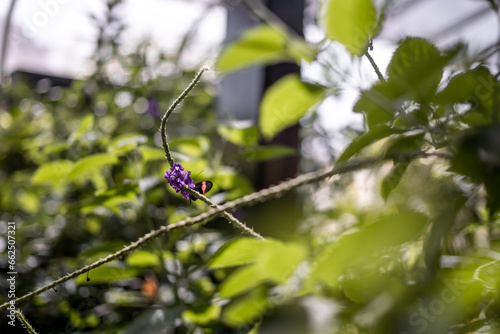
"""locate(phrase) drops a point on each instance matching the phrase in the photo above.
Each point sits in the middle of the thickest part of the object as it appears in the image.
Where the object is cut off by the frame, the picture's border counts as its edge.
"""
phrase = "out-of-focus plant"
(82, 175)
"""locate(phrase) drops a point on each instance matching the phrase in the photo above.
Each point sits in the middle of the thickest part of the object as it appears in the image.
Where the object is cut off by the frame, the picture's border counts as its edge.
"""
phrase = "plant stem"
(375, 67)
(233, 220)
(163, 127)
(24, 322)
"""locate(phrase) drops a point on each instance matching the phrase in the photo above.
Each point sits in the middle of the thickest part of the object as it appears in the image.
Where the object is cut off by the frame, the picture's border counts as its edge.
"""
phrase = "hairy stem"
(233, 220)
(25, 322)
(163, 127)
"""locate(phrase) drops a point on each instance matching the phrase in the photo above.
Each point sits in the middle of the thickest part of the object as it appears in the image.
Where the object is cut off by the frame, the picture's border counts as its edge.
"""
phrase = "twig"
(25, 322)
(375, 67)
(174, 104)
(260, 196)
(238, 224)
(170, 158)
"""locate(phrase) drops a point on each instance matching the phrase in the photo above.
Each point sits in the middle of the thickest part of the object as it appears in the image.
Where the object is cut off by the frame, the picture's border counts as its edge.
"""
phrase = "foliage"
(82, 174)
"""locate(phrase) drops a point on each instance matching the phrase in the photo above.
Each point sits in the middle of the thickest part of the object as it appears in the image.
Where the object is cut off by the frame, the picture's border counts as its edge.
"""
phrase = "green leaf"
(193, 147)
(243, 279)
(285, 102)
(239, 252)
(151, 153)
(248, 136)
(86, 124)
(280, 261)
(352, 23)
(247, 308)
(274, 263)
(112, 198)
(144, 258)
(237, 184)
(85, 166)
(259, 45)
(365, 285)
(202, 317)
(474, 86)
(405, 144)
(126, 143)
(108, 274)
(392, 179)
(266, 153)
(417, 67)
(53, 173)
(358, 248)
(375, 133)
(380, 103)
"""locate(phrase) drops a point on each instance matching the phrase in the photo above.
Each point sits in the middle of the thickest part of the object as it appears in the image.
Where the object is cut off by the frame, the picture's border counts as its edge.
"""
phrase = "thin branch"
(25, 322)
(260, 196)
(163, 127)
(170, 158)
(238, 224)
(375, 67)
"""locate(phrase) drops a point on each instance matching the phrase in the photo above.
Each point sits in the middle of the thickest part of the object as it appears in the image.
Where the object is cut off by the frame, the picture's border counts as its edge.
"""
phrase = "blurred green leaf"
(380, 104)
(203, 317)
(239, 252)
(30, 202)
(191, 147)
(275, 263)
(474, 86)
(247, 308)
(151, 153)
(352, 23)
(85, 166)
(236, 184)
(405, 144)
(356, 248)
(86, 124)
(145, 258)
(373, 134)
(266, 153)
(285, 102)
(260, 45)
(366, 285)
(54, 173)
(112, 198)
(126, 143)
(243, 279)
(280, 261)
(108, 274)
(248, 136)
(392, 179)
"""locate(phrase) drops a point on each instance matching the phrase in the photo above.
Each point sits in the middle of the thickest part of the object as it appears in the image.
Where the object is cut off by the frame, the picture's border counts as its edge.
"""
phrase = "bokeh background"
(84, 84)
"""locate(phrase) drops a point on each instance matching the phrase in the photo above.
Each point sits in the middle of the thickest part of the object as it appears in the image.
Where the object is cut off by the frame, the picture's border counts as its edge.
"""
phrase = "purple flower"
(153, 108)
(178, 178)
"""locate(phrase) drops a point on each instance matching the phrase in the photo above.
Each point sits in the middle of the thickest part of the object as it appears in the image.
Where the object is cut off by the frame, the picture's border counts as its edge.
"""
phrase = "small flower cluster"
(177, 178)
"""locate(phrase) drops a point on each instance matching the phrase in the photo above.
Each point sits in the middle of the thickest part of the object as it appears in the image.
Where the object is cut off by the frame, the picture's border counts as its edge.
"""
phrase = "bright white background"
(57, 37)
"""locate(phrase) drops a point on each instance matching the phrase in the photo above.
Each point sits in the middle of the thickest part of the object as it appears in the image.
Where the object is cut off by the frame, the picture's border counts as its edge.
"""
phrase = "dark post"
(241, 92)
